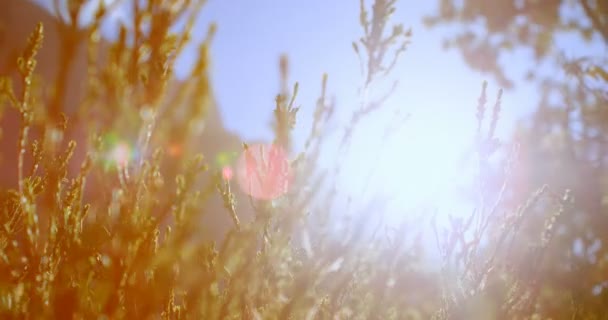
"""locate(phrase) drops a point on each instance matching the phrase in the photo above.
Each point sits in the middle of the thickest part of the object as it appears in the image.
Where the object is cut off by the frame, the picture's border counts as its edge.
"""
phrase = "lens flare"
(225, 158)
(175, 150)
(263, 171)
(118, 152)
(227, 173)
(121, 154)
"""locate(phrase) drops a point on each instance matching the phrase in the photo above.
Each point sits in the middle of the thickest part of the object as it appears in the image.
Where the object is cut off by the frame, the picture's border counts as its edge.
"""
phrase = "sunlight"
(419, 167)
(121, 154)
(263, 171)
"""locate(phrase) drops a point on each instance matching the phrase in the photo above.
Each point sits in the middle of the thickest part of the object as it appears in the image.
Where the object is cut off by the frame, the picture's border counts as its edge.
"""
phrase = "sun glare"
(121, 154)
(420, 166)
(263, 171)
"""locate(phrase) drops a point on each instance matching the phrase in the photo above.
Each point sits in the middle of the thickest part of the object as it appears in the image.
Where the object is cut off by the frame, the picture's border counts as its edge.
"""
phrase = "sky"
(439, 91)
(317, 35)
(419, 164)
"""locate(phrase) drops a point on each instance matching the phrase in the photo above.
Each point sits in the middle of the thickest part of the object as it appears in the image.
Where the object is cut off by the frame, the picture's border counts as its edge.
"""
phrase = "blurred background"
(548, 57)
(484, 147)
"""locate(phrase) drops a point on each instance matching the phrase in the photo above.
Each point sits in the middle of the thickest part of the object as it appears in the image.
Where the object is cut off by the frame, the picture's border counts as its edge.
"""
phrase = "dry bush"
(87, 237)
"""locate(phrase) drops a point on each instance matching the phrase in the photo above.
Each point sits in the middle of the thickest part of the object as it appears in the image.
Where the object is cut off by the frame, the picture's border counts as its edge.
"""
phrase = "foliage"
(117, 234)
(563, 144)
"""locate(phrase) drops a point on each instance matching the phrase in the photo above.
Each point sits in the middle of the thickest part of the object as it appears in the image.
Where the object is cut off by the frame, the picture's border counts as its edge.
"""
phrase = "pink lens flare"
(227, 173)
(263, 171)
(175, 150)
(121, 154)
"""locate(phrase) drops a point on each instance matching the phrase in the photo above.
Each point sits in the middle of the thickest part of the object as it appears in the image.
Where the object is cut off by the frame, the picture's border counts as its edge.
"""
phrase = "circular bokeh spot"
(227, 173)
(175, 150)
(121, 154)
(263, 171)
(118, 153)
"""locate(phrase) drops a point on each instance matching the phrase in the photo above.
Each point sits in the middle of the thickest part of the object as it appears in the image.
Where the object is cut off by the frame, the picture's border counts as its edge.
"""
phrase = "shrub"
(114, 234)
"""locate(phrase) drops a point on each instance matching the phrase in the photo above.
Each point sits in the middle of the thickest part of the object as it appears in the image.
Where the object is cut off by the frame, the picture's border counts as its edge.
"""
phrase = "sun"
(421, 165)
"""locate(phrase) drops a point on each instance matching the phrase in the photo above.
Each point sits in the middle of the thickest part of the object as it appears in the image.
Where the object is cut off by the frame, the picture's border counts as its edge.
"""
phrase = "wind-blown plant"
(129, 244)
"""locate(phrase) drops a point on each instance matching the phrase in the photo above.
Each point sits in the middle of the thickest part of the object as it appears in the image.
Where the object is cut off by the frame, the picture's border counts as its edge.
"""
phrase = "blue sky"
(436, 87)
(419, 165)
(317, 37)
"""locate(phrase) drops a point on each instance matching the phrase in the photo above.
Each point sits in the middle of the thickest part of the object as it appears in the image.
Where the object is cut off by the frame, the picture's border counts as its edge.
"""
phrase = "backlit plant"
(105, 218)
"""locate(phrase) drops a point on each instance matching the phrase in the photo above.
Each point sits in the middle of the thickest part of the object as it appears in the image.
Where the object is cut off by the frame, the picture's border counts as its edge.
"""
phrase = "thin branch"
(595, 20)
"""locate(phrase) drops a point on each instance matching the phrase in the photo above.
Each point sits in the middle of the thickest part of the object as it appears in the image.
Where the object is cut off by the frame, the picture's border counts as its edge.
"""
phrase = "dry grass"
(122, 240)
